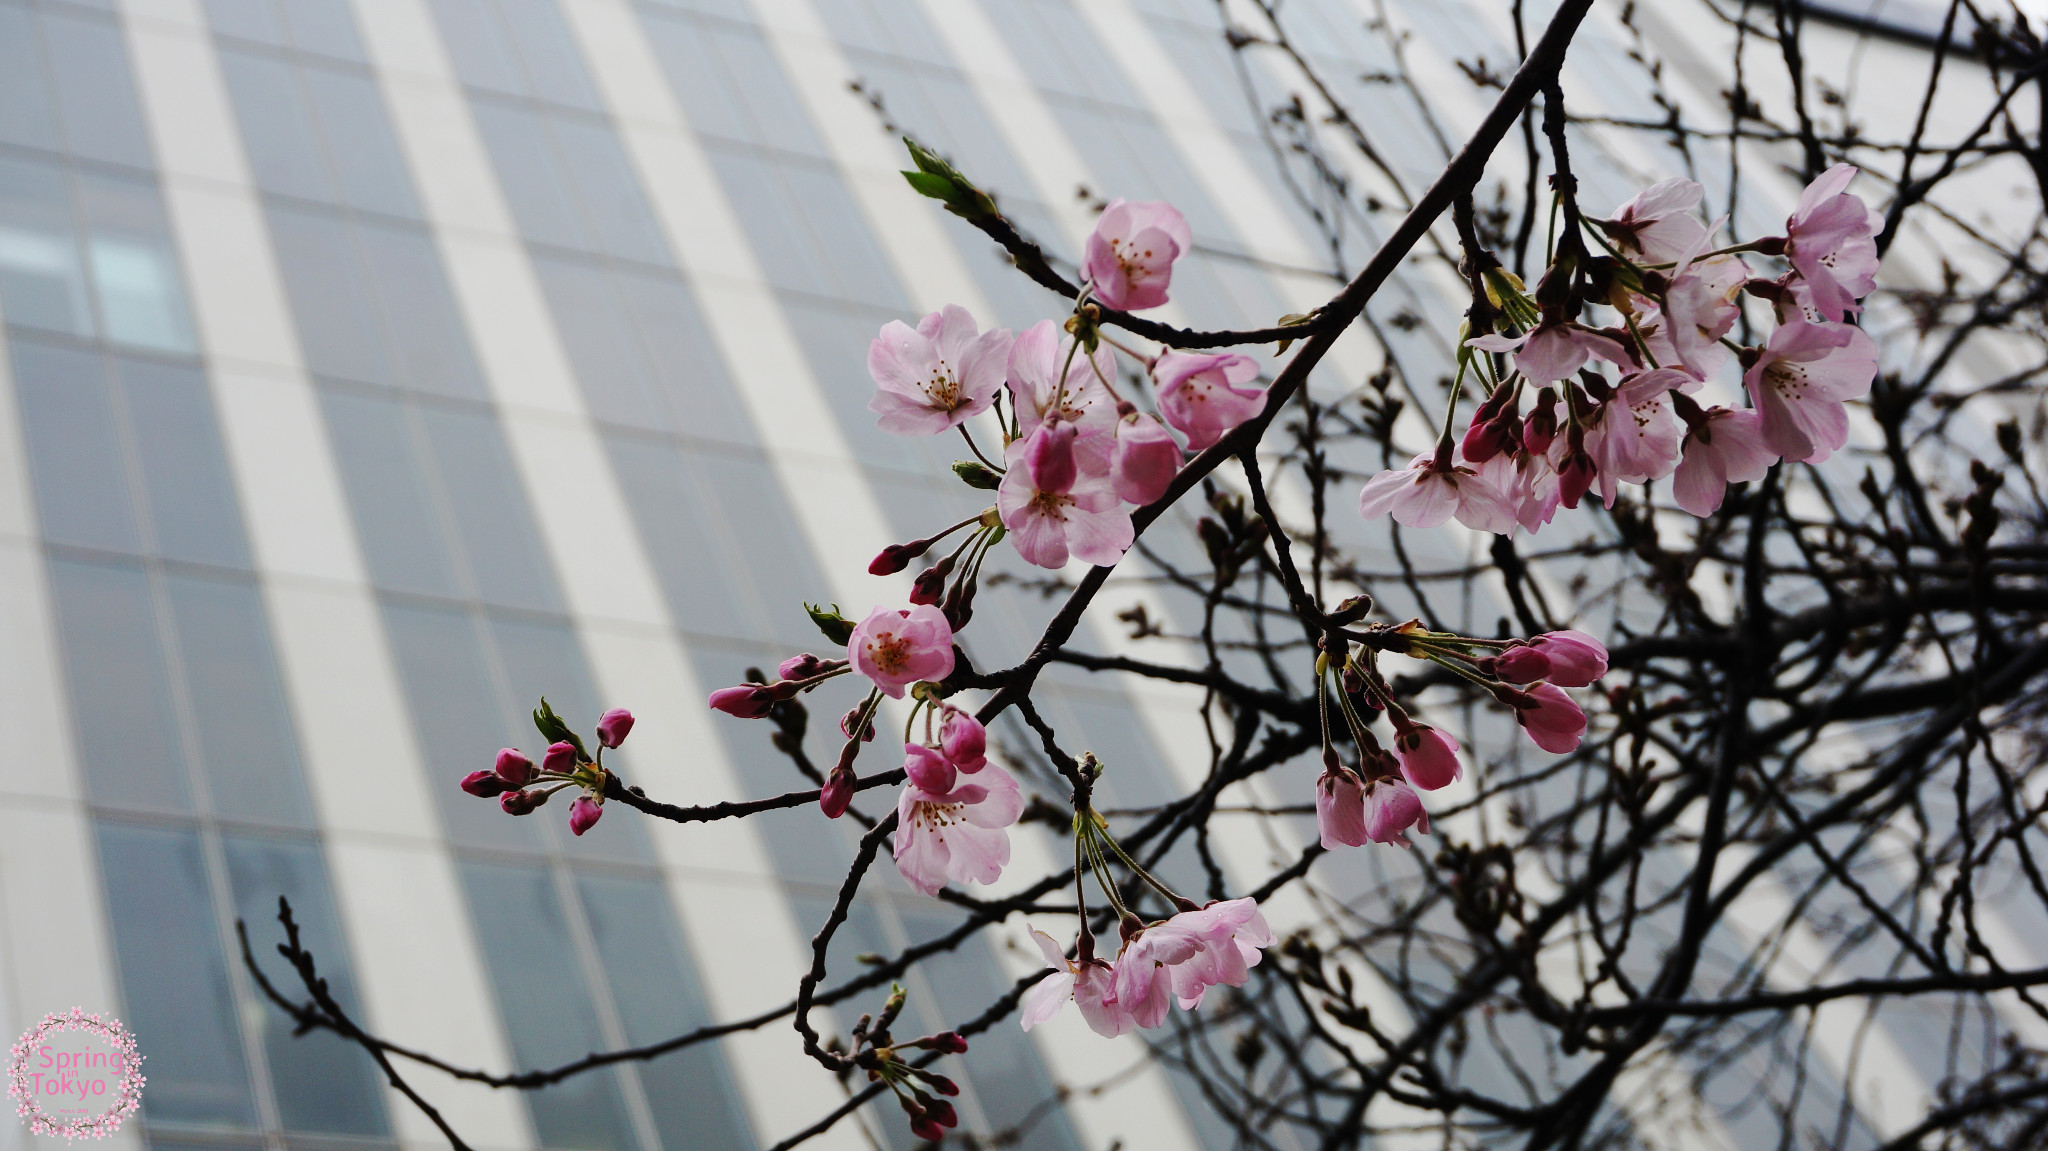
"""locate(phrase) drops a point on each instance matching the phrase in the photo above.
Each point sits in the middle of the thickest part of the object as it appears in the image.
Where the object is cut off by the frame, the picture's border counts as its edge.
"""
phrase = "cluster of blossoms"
(1076, 449)
(1377, 800)
(1676, 303)
(520, 787)
(917, 1090)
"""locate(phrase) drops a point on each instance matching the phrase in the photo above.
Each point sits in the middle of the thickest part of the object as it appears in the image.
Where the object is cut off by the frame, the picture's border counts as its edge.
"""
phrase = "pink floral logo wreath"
(79, 1095)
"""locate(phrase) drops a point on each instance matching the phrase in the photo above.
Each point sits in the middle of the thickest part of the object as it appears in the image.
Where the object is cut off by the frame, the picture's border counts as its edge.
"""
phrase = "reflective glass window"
(73, 436)
(185, 481)
(395, 510)
(337, 324)
(27, 115)
(487, 504)
(121, 704)
(428, 348)
(95, 90)
(243, 727)
(134, 269)
(42, 278)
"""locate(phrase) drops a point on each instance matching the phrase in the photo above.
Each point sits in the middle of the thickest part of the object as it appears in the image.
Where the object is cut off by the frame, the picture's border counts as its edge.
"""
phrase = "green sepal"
(977, 475)
(836, 627)
(553, 730)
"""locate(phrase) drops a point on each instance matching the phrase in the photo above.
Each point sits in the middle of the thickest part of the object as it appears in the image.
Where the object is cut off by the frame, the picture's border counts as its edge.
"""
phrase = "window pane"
(610, 192)
(142, 301)
(26, 116)
(41, 281)
(523, 930)
(245, 734)
(174, 976)
(337, 326)
(74, 448)
(323, 1082)
(394, 505)
(283, 148)
(461, 722)
(191, 496)
(609, 361)
(701, 576)
(429, 348)
(120, 693)
(489, 509)
(477, 45)
(323, 26)
(527, 171)
(686, 362)
(369, 171)
(691, 1091)
(95, 94)
(248, 19)
(547, 51)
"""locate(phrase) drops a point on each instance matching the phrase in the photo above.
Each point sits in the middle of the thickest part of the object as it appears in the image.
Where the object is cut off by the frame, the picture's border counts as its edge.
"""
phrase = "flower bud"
(949, 1042)
(852, 716)
(896, 557)
(925, 1127)
(930, 585)
(747, 701)
(513, 767)
(1541, 427)
(561, 758)
(836, 794)
(1049, 457)
(976, 475)
(1144, 460)
(928, 770)
(584, 814)
(484, 784)
(614, 726)
(520, 802)
(1519, 665)
(943, 1111)
(964, 739)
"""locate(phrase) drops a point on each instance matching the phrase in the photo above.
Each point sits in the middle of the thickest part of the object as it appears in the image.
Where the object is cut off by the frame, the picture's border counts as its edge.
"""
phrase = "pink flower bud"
(584, 814)
(1576, 659)
(852, 716)
(1521, 665)
(747, 701)
(483, 784)
(1145, 459)
(1541, 427)
(800, 666)
(925, 1127)
(1575, 477)
(964, 739)
(949, 1042)
(943, 1111)
(561, 757)
(1391, 808)
(929, 586)
(513, 767)
(896, 557)
(520, 802)
(1429, 758)
(1049, 457)
(928, 770)
(1554, 723)
(836, 794)
(614, 726)
(1340, 807)
(1488, 432)
(940, 1083)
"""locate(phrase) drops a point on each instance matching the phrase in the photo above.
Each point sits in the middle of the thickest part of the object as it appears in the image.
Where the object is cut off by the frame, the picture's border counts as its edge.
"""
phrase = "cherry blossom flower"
(1229, 938)
(1726, 447)
(560, 758)
(747, 700)
(1520, 665)
(1145, 459)
(1532, 488)
(584, 814)
(1636, 438)
(1391, 808)
(1831, 241)
(1129, 257)
(1552, 351)
(937, 375)
(1576, 659)
(1089, 984)
(513, 767)
(1698, 309)
(1144, 981)
(1424, 495)
(1429, 758)
(1553, 721)
(1199, 394)
(484, 784)
(928, 769)
(1340, 809)
(1657, 226)
(896, 648)
(964, 740)
(1799, 384)
(614, 726)
(959, 834)
(1035, 382)
(1050, 525)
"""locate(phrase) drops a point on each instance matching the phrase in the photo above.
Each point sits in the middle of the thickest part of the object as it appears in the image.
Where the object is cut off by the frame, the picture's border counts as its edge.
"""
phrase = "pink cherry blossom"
(964, 740)
(1035, 384)
(1698, 309)
(1657, 226)
(513, 767)
(928, 769)
(1831, 241)
(1391, 808)
(1199, 394)
(1429, 758)
(1340, 809)
(1049, 456)
(1090, 985)
(1130, 255)
(1636, 438)
(1521, 665)
(1144, 979)
(1049, 526)
(936, 375)
(614, 726)
(1725, 448)
(1423, 495)
(1576, 659)
(584, 814)
(747, 701)
(561, 758)
(956, 835)
(1229, 938)
(1532, 488)
(1553, 351)
(484, 784)
(1145, 459)
(1552, 720)
(1800, 382)
(897, 648)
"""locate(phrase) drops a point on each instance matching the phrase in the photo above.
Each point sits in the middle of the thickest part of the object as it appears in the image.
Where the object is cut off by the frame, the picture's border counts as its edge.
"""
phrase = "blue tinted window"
(428, 348)
(121, 701)
(27, 115)
(174, 976)
(395, 508)
(95, 92)
(524, 929)
(337, 322)
(369, 170)
(323, 1083)
(542, 203)
(42, 278)
(243, 729)
(185, 478)
(283, 143)
(506, 560)
(73, 437)
(142, 301)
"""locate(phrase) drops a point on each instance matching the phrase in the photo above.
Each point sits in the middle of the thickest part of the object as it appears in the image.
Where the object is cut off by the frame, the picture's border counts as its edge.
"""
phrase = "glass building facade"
(373, 367)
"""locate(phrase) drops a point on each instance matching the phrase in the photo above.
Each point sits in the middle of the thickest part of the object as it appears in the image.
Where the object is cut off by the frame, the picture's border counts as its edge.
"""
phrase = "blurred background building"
(372, 368)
